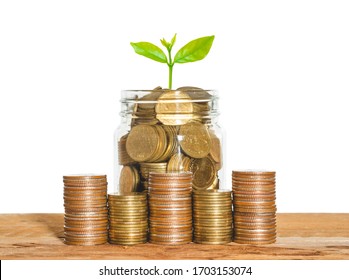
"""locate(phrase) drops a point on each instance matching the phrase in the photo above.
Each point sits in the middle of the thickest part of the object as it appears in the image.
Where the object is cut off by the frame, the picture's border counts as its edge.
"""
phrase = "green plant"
(193, 51)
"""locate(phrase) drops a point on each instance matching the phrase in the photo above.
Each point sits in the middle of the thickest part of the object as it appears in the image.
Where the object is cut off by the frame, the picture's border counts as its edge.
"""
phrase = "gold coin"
(148, 101)
(253, 174)
(170, 225)
(127, 242)
(171, 236)
(204, 173)
(170, 198)
(212, 193)
(87, 176)
(196, 93)
(171, 175)
(256, 179)
(174, 108)
(215, 151)
(255, 242)
(179, 163)
(124, 158)
(170, 140)
(212, 242)
(127, 207)
(247, 197)
(198, 205)
(85, 242)
(128, 202)
(211, 199)
(146, 167)
(129, 179)
(132, 235)
(195, 139)
(171, 242)
(142, 142)
(127, 196)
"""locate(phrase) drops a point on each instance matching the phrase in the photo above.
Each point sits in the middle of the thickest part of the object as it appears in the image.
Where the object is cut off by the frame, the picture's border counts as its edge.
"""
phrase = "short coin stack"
(254, 207)
(128, 218)
(212, 216)
(170, 208)
(86, 213)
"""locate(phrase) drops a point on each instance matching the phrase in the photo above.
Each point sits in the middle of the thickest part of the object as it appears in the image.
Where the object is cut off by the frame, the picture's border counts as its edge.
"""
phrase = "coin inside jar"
(174, 108)
(142, 142)
(195, 139)
(204, 173)
(129, 179)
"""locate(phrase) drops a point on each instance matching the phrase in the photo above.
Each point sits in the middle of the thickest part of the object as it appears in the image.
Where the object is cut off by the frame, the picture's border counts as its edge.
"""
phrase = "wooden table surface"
(300, 236)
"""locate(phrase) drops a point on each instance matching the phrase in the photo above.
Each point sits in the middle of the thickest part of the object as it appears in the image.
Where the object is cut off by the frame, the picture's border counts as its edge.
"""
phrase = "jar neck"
(169, 107)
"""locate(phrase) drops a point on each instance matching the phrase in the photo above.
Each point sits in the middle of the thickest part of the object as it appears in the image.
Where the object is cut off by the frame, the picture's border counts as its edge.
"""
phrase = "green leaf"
(165, 43)
(149, 50)
(168, 45)
(195, 50)
(173, 41)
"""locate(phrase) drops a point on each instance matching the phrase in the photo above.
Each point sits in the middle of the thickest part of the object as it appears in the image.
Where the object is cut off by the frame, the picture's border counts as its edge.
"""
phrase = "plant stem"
(170, 68)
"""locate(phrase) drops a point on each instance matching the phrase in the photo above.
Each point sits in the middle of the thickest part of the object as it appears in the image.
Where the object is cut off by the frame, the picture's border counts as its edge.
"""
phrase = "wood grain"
(300, 236)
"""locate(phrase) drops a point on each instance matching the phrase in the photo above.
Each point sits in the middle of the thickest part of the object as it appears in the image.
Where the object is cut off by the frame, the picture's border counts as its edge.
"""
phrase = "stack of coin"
(170, 208)
(128, 218)
(151, 143)
(212, 216)
(254, 207)
(86, 213)
(147, 167)
(179, 163)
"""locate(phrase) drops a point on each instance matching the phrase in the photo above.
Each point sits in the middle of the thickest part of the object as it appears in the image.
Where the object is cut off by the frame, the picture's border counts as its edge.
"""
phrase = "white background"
(90, 269)
(281, 68)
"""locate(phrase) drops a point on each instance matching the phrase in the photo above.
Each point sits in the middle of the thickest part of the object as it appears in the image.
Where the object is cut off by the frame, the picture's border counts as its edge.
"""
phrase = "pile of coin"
(147, 167)
(170, 208)
(171, 130)
(128, 218)
(254, 207)
(86, 213)
(212, 211)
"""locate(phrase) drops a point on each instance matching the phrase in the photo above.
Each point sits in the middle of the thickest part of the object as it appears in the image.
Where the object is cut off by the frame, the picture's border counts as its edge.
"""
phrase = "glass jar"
(165, 130)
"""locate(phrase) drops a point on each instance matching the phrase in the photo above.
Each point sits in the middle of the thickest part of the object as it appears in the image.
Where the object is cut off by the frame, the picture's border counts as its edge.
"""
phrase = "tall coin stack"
(128, 218)
(170, 208)
(254, 207)
(212, 216)
(86, 213)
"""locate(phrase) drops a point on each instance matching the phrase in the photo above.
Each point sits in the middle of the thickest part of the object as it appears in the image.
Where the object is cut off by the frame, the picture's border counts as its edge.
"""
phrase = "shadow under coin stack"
(86, 213)
(170, 208)
(254, 207)
(128, 218)
(212, 216)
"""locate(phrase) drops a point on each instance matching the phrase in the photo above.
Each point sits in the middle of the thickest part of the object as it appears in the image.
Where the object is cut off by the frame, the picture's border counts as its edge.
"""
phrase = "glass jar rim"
(137, 95)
